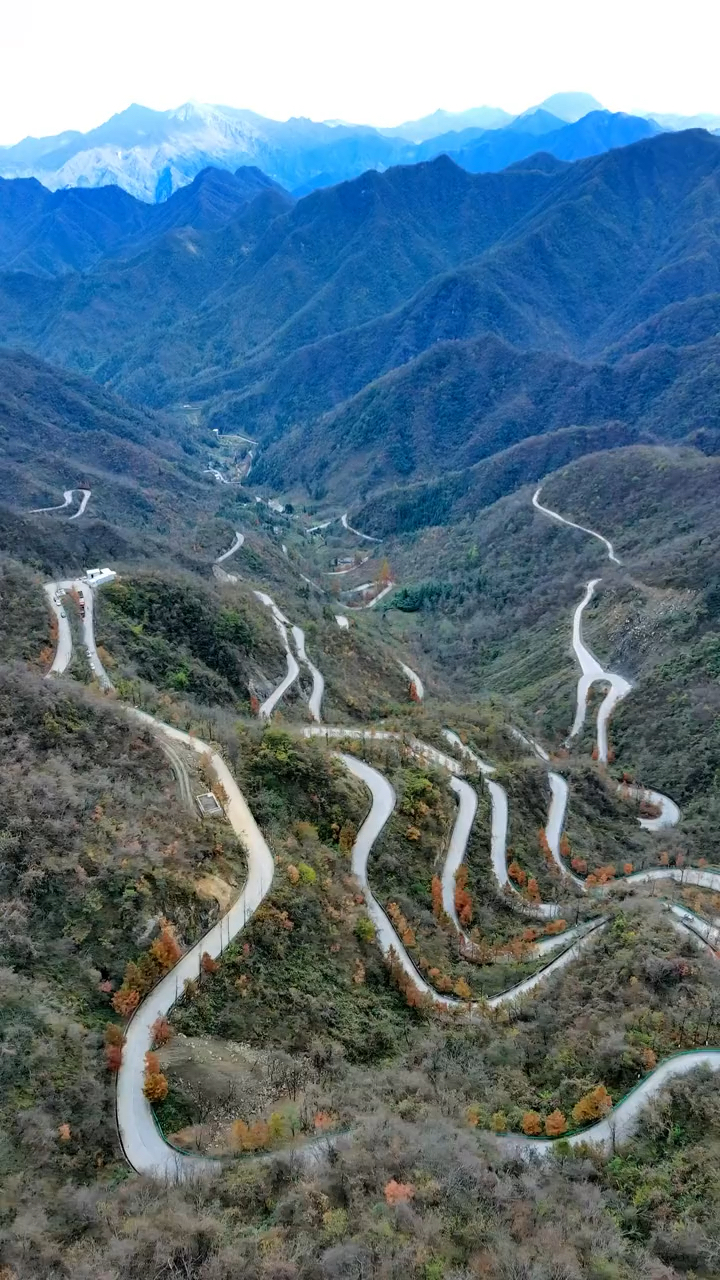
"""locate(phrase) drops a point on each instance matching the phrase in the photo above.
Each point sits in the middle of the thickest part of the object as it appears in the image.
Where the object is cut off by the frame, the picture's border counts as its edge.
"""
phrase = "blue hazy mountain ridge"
(360, 329)
(151, 153)
(51, 232)
(594, 134)
(536, 122)
(285, 311)
(492, 150)
(570, 106)
(441, 122)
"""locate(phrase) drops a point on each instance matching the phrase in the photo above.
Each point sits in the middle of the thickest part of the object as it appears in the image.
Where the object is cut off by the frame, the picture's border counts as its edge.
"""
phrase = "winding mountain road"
(236, 545)
(318, 687)
(67, 499)
(293, 670)
(63, 648)
(669, 814)
(467, 808)
(555, 515)
(592, 673)
(358, 534)
(144, 1145)
(86, 493)
(414, 679)
(621, 1122)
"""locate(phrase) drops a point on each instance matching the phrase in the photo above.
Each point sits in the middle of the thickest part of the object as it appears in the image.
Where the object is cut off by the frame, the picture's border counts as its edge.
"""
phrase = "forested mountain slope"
(462, 402)
(420, 316)
(339, 258)
(52, 232)
(61, 432)
(492, 600)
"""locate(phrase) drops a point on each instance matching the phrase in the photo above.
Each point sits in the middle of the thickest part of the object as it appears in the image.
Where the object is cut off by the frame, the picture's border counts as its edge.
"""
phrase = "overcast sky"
(72, 63)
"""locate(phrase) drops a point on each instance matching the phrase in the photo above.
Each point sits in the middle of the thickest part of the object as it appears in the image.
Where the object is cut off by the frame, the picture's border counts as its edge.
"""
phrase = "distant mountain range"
(151, 154)
(397, 326)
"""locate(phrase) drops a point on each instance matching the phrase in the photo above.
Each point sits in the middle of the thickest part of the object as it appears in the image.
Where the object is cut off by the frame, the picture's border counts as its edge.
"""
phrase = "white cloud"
(72, 63)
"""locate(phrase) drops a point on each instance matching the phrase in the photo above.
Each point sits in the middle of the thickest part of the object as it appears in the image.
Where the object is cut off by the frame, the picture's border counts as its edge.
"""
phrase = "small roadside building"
(97, 577)
(209, 805)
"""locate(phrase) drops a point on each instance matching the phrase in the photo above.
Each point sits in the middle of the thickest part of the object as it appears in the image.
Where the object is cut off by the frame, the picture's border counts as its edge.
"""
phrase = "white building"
(96, 577)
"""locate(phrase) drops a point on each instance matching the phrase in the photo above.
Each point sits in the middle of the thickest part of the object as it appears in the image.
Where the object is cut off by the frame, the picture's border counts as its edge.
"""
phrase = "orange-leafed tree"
(593, 1106)
(462, 990)
(348, 834)
(155, 1087)
(627, 868)
(463, 899)
(533, 889)
(323, 1121)
(207, 964)
(113, 1057)
(166, 949)
(556, 926)
(605, 873)
(259, 1136)
(398, 1192)
(437, 896)
(239, 1133)
(555, 1124)
(413, 692)
(161, 1031)
(384, 573)
(565, 846)
(517, 874)
(125, 1001)
(579, 865)
(531, 1123)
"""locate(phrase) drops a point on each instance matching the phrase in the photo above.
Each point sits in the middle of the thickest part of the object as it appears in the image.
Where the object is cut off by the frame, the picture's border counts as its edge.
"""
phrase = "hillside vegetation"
(409, 354)
(494, 602)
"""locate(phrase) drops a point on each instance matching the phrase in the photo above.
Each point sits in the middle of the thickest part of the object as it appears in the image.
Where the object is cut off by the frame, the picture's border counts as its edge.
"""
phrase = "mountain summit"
(150, 154)
(570, 106)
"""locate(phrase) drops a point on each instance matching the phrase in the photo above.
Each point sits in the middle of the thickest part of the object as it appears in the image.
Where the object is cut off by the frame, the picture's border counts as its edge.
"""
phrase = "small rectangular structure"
(96, 577)
(209, 805)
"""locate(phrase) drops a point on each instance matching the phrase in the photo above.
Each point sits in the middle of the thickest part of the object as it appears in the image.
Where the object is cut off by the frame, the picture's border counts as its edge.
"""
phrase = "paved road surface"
(555, 515)
(592, 672)
(293, 670)
(358, 534)
(67, 499)
(63, 651)
(237, 543)
(621, 1122)
(144, 1146)
(83, 503)
(414, 678)
(316, 697)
